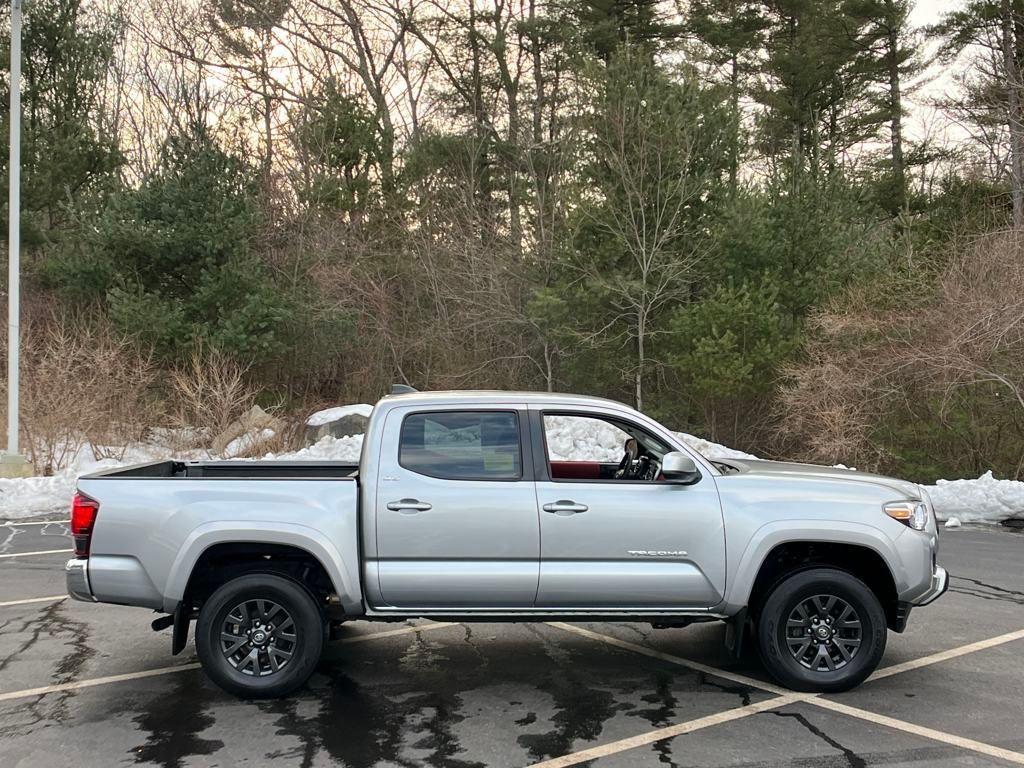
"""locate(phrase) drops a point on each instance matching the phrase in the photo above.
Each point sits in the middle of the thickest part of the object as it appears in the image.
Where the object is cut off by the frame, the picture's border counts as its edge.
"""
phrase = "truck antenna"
(402, 389)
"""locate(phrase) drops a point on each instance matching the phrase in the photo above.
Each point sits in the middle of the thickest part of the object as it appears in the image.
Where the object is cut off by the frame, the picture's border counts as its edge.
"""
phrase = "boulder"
(342, 421)
(256, 422)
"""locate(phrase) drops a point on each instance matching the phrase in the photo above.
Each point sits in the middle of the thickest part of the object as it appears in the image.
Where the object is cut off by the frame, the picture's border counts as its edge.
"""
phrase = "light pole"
(12, 464)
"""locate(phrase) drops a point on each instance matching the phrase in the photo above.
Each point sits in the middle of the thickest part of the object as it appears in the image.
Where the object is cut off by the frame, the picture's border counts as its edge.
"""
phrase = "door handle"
(565, 507)
(408, 506)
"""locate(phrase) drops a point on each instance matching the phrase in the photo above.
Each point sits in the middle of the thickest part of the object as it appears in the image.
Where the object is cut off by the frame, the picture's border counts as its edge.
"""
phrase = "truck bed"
(235, 470)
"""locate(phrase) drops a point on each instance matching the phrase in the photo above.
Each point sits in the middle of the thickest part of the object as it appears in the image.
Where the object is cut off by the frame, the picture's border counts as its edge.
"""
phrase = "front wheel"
(821, 630)
(259, 636)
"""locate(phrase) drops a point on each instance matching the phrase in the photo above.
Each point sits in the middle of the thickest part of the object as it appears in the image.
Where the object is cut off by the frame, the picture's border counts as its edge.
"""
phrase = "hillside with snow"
(981, 500)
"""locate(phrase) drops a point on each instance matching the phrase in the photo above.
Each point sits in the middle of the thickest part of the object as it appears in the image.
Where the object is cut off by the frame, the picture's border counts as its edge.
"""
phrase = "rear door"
(456, 512)
(618, 543)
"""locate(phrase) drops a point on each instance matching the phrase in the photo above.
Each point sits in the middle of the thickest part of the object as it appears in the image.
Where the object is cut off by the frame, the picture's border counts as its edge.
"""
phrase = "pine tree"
(889, 54)
(733, 31)
(998, 26)
(605, 25)
(816, 85)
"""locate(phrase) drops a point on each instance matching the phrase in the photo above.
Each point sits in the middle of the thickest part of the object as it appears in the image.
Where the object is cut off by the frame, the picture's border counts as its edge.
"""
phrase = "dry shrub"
(209, 391)
(921, 357)
(81, 383)
(285, 440)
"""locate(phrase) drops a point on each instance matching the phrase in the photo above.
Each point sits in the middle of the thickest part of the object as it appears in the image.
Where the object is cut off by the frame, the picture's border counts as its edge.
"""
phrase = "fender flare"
(295, 535)
(771, 535)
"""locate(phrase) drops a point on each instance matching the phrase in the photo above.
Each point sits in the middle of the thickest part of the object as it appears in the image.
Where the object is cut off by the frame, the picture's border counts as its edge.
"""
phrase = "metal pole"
(14, 234)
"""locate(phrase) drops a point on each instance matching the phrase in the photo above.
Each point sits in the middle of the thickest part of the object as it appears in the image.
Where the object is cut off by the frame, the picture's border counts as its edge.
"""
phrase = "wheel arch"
(244, 549)
(780, 549)
(792, 557)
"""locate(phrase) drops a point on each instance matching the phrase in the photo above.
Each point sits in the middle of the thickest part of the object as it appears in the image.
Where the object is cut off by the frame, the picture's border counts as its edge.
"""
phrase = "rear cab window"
(462, 445)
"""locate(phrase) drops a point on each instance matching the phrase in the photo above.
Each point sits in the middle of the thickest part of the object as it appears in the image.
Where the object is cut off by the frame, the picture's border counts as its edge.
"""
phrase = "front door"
(614, 534)
(457, 521)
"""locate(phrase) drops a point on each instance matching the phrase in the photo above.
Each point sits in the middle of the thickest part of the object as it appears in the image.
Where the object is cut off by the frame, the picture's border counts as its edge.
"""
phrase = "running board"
(664, 618)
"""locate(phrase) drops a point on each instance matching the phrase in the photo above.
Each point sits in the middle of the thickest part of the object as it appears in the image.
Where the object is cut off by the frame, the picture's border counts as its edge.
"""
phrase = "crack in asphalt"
(853, 759)
(996, 592)
(51, 622)
(740, 690)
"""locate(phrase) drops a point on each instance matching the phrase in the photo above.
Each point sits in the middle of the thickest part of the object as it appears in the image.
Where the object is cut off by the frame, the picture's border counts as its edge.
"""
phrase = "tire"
(845, 630)
(242, 649)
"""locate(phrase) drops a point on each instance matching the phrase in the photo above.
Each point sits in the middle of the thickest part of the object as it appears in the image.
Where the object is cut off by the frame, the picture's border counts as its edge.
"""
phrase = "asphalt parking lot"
(93, 685)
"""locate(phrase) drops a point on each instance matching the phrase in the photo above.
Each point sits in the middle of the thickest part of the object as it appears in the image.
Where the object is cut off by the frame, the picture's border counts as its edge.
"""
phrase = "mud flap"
(182, 618)
(735, 629)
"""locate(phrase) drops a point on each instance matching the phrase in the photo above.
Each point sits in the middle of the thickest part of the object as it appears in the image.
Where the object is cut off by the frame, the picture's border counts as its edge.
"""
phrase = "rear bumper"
(76, 574)
(940, 583)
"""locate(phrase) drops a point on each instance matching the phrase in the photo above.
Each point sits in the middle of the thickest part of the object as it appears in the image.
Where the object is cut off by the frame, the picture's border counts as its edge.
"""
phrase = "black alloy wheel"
(821, 630)
(260, 635)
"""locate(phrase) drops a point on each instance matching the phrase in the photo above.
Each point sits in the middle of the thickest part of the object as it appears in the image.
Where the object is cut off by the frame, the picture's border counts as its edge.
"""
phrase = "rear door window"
(462, 445)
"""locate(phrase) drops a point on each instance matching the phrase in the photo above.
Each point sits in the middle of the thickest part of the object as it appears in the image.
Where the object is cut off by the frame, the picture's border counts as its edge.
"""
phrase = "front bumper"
(76, 574)
(940, 583)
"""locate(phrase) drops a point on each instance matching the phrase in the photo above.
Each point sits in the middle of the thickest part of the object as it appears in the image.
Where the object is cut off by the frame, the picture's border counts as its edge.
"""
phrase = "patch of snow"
(32, 496)
(576, 438)
(981, 500)
(713, 450)
(246, 442)
(328, 448)
(333, 414)
(984, 500)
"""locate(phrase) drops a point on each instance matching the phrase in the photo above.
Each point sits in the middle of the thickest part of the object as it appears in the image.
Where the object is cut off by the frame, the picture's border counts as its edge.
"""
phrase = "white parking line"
(809, 698)
(656, 654)
(919, 730)
(952, 653)
(79, 684)
(38, 552)
(669, 732)
(28, 600)
(8, 523)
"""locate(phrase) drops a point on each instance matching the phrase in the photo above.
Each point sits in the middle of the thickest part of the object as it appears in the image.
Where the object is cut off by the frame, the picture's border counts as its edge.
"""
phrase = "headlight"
(911, 513)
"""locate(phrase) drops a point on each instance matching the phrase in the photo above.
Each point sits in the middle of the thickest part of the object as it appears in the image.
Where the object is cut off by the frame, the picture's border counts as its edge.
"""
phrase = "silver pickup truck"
(464, 507)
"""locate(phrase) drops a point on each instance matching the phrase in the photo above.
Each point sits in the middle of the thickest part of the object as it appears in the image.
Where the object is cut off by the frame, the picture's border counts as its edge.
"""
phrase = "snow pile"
(343, 449)
(246, 442)
(575, 439)
(712, 450)
(572, 438)
(320, 418)
(985, 500)
(28, 496)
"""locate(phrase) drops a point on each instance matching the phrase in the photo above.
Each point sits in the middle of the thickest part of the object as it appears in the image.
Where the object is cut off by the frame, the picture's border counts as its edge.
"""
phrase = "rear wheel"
(260, 636)
(821, 630)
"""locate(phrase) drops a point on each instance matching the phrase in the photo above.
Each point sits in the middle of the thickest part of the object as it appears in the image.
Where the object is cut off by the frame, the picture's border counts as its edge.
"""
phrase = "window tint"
(481, 445)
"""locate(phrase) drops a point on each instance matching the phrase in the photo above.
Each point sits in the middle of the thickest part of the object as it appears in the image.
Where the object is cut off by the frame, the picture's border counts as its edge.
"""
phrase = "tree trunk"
(638, 378)
(1013, 92)
(734, 148)
(895, 108)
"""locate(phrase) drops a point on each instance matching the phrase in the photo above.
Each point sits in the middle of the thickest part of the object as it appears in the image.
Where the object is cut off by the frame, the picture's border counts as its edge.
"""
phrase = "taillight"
(83, 517)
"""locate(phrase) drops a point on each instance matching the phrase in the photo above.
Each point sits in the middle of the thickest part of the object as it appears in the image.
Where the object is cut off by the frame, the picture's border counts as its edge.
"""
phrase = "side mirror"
(679, 468)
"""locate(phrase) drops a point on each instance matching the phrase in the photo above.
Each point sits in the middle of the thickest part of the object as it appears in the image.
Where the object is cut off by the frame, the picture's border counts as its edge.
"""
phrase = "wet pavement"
(467, 695)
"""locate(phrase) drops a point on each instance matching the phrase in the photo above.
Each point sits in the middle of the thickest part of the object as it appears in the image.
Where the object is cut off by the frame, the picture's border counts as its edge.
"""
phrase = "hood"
(903, 489)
